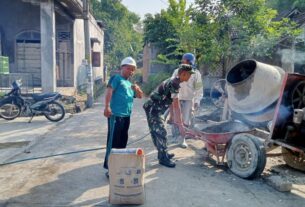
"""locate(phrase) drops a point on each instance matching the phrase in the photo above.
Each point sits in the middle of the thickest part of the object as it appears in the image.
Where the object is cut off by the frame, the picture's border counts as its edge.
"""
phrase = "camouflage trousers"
(156, 127)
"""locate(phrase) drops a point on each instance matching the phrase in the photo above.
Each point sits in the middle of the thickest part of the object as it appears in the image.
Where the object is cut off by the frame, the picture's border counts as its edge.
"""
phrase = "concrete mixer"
(253, 90)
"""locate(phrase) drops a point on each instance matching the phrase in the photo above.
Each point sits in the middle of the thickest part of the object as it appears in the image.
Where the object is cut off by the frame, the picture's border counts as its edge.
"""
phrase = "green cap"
(186, 67)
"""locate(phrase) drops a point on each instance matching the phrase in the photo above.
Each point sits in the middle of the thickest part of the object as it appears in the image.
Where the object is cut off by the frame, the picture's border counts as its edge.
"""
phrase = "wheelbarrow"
(244, 150)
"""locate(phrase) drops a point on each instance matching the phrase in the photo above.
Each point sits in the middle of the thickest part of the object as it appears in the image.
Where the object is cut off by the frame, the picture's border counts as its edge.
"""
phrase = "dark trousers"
(117, 136)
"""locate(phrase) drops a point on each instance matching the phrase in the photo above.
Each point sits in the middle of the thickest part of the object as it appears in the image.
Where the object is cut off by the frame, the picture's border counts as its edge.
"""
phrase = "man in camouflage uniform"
(159, 101)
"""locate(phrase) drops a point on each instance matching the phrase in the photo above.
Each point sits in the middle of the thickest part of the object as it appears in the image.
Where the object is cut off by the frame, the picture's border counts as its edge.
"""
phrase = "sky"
(142, 7)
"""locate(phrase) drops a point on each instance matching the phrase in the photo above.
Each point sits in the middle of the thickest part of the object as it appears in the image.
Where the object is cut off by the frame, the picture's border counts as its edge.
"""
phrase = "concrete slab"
(279, 183)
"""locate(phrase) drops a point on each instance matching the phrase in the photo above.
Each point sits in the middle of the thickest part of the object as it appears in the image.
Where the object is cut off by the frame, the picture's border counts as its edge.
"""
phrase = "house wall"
(16, 17)
(79, 52)
(97, 32)
(79, 49)
(149, 66)
(146, 62)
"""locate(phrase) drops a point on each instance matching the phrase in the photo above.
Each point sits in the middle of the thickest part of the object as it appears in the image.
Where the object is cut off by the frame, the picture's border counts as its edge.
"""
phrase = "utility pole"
(90, 95)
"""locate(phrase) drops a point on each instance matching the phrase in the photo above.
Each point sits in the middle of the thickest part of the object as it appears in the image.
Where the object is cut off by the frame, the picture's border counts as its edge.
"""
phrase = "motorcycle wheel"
(54, 111)
(9, 111)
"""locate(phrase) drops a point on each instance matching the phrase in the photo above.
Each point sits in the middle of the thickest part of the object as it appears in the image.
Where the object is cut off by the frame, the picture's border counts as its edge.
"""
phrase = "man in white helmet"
(119, 97)
(190, 93)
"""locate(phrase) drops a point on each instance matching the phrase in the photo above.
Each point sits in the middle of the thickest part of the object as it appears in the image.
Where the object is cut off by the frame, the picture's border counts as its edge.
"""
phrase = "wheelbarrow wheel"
(246, 156)
(294, 159)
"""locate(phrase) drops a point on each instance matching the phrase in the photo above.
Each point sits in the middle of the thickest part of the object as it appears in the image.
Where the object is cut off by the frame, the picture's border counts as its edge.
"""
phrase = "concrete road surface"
(61, 165)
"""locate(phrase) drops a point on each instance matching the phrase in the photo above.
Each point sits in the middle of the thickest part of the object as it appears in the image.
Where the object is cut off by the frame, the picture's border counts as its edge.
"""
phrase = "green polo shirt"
(122, 97)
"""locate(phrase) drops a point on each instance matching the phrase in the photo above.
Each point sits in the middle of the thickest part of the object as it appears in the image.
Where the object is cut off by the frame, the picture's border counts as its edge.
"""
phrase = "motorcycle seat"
(43, 96)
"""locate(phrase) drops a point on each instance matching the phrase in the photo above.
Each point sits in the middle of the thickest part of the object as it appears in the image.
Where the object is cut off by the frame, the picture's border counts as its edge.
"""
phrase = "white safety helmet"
(129, 61)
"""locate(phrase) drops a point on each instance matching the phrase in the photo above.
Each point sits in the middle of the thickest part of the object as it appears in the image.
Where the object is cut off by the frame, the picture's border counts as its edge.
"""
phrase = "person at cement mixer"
(159, 101)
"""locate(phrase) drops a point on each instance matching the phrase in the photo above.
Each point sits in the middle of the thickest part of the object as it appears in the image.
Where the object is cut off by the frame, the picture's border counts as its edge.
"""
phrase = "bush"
(82, 89)
(98, 88)
(137, 77)
(154, 81)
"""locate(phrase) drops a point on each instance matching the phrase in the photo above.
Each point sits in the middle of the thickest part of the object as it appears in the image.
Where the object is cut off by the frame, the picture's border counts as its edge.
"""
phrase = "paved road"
(18, 135)
(68, 170)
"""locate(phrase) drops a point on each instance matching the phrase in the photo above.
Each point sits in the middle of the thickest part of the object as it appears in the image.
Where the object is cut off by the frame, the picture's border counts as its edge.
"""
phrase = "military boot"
(169, 155)
(164, 160)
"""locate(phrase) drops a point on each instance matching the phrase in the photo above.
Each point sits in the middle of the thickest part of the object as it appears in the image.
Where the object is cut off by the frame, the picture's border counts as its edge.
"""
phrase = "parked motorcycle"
(45, 104)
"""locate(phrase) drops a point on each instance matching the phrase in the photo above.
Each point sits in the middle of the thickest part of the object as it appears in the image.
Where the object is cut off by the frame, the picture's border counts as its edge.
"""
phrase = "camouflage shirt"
(162, 97)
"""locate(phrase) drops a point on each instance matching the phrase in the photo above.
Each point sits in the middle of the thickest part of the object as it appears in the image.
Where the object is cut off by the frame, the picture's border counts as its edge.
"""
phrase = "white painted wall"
(48, 51)
(79, 47)
(97, 32)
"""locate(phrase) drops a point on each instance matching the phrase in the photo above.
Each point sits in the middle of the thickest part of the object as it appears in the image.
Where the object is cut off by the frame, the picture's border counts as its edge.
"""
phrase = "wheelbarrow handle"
(193, 133)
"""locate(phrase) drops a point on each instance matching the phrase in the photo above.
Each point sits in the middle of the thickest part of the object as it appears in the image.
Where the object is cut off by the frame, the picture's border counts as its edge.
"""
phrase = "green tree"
(167, 30)
(218, 32)
(238, 29)
(121, 37)
(159, 30)
(284, 5)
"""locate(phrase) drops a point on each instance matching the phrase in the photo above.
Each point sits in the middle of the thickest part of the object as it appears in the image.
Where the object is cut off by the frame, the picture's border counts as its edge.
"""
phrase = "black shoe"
(167, 162)
(107, 174)
(170, 155)
(164, 159)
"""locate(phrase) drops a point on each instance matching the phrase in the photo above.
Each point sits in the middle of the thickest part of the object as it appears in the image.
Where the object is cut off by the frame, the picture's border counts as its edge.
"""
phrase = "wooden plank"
(27, 48)
(29, 63)
(29, 51)
(29, 70)
(22, 54)
(28, 45)
(28, 57)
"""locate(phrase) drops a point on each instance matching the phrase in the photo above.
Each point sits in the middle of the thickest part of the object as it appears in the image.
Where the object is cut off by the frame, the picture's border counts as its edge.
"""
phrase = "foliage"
(230, 30)
(165, 31)
(137, 77)
(122, 38)
(284, 5)
(159, 30)
(98, 88)
(217, 31)
(154, 81)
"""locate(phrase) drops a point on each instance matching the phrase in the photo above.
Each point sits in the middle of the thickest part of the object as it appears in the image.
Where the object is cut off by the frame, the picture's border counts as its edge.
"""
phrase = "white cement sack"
(126, 176)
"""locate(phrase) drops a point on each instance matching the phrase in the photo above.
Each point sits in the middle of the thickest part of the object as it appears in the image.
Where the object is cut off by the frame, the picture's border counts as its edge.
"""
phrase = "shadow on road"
(69, 189)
